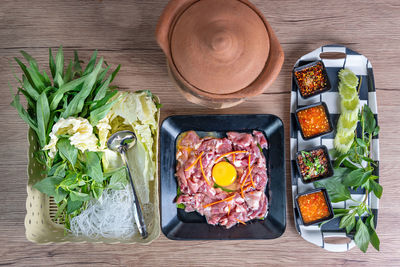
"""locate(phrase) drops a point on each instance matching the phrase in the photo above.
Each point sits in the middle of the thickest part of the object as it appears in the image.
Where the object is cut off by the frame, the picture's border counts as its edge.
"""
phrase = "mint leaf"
(93, 166)
(362, 236)
(67, 151)
(48, 185)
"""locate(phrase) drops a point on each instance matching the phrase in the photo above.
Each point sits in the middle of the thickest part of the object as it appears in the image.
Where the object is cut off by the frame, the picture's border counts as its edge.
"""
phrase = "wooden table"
(123, 32)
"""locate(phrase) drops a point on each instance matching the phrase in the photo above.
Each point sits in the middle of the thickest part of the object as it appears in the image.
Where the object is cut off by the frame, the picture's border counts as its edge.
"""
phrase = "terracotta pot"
(218, 51)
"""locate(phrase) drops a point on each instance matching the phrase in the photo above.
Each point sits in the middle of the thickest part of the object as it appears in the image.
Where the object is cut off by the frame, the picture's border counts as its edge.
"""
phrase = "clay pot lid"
(219, 47)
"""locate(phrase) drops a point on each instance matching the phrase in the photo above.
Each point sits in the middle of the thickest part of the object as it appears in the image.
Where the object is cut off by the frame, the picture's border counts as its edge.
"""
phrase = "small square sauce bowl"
(314, 206)
(314, 164)
(311, 79)
(314, 120)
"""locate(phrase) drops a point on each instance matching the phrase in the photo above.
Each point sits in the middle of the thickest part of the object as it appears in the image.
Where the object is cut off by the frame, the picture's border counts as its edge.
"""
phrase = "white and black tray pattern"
(361, 66)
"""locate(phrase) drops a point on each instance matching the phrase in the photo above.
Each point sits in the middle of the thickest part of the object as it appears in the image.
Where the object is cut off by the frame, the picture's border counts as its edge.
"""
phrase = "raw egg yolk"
(224, 173)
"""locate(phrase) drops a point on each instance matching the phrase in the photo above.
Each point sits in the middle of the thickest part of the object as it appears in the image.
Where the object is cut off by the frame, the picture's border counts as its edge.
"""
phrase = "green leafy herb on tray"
(355, 169)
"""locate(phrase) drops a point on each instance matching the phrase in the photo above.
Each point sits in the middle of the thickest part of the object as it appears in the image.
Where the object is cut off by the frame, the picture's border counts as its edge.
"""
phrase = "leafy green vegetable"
(118, 179)
(181, 206)
(336, 190)
(93, 165)
(357, 171)
(73, 177)
(67, 151)
(362, 237)
(48, 185)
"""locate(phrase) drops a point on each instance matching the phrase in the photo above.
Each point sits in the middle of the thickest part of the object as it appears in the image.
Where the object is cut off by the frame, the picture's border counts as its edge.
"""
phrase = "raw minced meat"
(200, 193)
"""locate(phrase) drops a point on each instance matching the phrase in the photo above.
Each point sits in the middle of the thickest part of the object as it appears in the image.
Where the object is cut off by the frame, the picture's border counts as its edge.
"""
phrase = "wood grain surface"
(123, 32)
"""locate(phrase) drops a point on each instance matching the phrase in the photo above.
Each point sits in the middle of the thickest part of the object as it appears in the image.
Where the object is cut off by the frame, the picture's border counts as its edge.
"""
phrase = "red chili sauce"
(313, 121)
(313, 207)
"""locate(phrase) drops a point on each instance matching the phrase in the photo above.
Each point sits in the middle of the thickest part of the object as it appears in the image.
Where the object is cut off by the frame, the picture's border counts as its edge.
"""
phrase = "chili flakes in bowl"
(312, 79)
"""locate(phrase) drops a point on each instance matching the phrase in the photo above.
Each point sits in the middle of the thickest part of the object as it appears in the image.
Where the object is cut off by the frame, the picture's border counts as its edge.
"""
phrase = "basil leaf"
(336, 190)
(369, 119)
(348, 221)
(340, 211)
(362, 236)
(374, 239)
(377, 188)
(48, 185)
(78, 196)
(376, 131)
(73, 206)
(67, 150)
(340, 160)
(354, 178)
(361, 142)
(93, 166)
(347, 163)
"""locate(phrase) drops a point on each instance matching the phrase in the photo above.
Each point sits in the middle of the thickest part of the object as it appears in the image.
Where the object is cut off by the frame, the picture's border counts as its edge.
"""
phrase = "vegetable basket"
(41, 209)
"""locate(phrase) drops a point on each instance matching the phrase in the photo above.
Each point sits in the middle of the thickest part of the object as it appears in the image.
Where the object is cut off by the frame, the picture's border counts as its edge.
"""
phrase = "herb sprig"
(353, 170)
(72, 177)
(313, 163)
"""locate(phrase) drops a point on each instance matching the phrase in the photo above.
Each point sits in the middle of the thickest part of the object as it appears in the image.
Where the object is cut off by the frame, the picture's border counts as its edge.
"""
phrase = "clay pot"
(218, 51)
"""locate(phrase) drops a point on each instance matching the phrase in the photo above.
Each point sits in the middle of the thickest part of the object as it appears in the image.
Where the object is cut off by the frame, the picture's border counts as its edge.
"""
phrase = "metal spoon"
(120, 142)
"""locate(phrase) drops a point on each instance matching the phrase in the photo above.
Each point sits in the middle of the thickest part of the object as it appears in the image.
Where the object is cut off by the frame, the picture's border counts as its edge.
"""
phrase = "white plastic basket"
(40, 209)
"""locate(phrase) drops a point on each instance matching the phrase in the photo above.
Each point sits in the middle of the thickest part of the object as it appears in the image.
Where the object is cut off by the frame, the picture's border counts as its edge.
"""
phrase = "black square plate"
(179, 225)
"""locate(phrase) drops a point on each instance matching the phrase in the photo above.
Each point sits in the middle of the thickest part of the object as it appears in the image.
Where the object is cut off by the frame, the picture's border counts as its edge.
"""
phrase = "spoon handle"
(137, 212)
